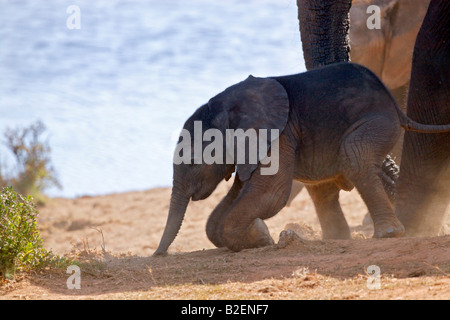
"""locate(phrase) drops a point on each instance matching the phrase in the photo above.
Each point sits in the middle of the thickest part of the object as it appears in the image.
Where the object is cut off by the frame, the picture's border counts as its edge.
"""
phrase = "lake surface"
(115, 93)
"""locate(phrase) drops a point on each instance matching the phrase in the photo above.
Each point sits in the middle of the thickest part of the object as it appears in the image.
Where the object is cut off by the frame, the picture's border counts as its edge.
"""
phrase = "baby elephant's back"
(330, 99)
(327, 103)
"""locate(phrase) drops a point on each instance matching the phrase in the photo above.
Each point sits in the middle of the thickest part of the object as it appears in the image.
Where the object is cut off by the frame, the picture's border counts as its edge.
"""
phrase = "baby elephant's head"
(232, 132)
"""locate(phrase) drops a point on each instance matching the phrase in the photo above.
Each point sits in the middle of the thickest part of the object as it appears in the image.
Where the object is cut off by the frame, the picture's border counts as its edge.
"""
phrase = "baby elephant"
(336, 125)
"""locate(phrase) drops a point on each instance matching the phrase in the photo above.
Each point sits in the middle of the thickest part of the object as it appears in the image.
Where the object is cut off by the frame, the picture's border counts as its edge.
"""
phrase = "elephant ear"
(255, 103)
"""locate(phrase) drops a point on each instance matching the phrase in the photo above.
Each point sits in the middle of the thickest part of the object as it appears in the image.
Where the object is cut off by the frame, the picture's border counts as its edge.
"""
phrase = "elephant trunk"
(324, 29)
(177, 209)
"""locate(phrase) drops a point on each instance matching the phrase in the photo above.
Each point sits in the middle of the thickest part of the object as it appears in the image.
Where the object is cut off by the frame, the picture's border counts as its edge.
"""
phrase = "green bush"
(34, 172)
(20, 241)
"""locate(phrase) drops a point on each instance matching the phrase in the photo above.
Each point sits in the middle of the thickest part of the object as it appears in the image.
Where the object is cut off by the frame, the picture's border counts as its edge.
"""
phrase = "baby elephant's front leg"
(243, 226)
(261, 197)
(258, 234)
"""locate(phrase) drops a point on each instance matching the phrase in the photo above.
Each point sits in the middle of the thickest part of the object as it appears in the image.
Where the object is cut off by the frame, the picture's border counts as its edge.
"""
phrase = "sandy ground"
(115, 235)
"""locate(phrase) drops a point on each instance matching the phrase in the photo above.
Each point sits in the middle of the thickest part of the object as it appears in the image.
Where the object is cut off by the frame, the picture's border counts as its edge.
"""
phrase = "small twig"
(437, 268)
(103, 238)
(85, 245)
(151, 274)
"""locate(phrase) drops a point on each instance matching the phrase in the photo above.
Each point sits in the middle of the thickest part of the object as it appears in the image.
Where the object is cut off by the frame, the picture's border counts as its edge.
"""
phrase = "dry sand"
(116, 234)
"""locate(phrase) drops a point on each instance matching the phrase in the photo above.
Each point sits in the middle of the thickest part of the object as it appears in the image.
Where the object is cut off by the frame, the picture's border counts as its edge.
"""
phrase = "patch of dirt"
(114, 236)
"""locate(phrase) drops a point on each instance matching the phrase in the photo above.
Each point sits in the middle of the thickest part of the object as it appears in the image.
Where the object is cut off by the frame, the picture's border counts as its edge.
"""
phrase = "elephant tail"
(389, 176)
(405, 122)
(410, 125)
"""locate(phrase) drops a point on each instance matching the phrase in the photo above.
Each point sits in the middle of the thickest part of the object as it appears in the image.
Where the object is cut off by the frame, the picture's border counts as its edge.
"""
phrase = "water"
(115, 93)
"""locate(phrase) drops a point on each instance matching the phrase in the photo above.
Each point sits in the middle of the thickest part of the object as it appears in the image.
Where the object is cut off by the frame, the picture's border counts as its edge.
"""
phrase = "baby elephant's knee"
(253, 236)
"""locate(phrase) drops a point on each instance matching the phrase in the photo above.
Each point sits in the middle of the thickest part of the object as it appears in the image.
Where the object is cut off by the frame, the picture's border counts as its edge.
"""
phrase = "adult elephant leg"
(212, 226)
(326, 201)
(400, 95)
(423, 194)
(423, 191)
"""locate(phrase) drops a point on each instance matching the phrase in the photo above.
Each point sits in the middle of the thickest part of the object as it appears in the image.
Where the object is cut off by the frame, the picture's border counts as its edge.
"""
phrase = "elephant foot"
(257, 235)
(389, 230)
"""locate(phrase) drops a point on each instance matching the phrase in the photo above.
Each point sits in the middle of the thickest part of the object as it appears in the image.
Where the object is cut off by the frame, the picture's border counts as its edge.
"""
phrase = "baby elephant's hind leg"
(386, 224)
(326, 201)
(362, 155)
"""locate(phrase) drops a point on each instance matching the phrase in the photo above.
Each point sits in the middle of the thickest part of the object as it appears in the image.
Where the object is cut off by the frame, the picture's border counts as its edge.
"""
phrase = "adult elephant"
(423, 188)
(387, 51)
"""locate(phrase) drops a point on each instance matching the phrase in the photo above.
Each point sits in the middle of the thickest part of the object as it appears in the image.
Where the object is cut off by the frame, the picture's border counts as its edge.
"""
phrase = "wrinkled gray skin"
(387, 51)
(337, 125)
(423, 188)
(324, 27)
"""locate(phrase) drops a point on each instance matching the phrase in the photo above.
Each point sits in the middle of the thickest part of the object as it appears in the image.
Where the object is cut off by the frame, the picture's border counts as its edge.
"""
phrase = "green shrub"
(34, 172)
(20, 241)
